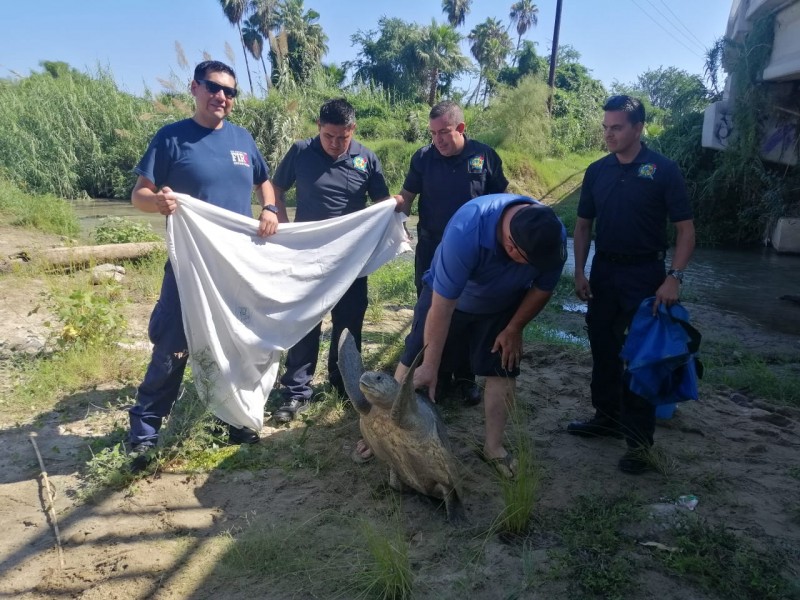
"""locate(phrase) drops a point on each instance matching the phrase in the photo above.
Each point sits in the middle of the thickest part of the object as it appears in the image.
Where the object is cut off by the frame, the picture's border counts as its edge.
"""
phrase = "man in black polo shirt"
(334, 174)
(630, 193)
(447, 174)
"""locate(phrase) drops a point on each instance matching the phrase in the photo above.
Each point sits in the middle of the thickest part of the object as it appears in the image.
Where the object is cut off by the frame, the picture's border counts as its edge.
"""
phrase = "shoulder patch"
(476, 163)
(647, 171)
(360, 163)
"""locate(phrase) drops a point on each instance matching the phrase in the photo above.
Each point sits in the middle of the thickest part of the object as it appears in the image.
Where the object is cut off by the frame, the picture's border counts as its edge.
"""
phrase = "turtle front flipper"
(351, 367)
(405, 403)
(455, 510)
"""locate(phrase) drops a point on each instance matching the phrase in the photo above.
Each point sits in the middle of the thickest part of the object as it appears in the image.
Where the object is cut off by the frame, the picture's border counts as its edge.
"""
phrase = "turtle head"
(380, 389)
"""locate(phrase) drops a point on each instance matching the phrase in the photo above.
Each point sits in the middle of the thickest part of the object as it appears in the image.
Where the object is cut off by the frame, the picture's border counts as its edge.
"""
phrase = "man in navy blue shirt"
(630, 193)
(218, 162)
(334, 175)
(497, 265)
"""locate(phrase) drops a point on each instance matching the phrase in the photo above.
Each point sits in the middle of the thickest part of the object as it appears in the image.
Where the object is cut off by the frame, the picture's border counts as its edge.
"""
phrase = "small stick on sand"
(46, 483)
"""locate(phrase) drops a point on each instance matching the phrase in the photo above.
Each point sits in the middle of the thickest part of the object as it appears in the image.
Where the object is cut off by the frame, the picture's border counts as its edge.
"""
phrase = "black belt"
(629, 259)
(426, 234)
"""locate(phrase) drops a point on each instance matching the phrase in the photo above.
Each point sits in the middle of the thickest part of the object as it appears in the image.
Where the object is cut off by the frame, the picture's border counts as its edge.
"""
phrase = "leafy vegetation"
(119, 230)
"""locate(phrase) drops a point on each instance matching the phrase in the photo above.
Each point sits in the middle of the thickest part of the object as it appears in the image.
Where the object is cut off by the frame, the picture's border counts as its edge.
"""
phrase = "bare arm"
(405, 200)
(509, 341)
(280, 202)
(267, 220)
(582, 239)
(148, 198)
(669, 291)
(437, 324)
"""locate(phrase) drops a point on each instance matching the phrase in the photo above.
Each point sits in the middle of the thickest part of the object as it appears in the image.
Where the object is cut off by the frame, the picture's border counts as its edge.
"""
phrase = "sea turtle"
(403, 429)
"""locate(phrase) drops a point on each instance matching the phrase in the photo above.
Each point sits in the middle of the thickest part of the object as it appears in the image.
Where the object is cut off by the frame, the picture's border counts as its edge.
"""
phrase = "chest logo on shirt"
(360, 163)
(647, 171)
(475, 164)
(240, 158)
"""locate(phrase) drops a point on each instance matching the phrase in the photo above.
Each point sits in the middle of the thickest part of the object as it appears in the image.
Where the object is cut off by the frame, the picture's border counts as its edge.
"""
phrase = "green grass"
(721, 562)
(43, 212)
(596, 555)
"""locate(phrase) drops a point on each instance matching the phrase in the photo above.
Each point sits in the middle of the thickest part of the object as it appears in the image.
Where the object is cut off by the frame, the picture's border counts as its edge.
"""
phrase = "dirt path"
(171, 535)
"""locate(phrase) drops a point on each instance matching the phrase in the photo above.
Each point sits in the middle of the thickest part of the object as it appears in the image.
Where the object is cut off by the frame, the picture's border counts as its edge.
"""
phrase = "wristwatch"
(270, 207)
(677, 274)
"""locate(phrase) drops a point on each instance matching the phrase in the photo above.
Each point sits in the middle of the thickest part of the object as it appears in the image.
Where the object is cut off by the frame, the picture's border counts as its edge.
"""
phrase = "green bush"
(89, 317)
(45, 213)
(119, 230)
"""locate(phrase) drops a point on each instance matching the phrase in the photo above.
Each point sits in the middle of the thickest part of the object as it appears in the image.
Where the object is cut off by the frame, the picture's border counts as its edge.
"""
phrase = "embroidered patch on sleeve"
(647, 171)
(476, 164)
(360, 163)
(240, 158)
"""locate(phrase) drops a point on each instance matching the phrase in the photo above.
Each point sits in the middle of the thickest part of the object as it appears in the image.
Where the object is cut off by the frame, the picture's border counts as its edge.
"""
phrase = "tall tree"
(306, 42)
(266, 12)
(456, 11)
(254, 42)
(489, 44)
(524, 14)
(234, 11)
(439, 54)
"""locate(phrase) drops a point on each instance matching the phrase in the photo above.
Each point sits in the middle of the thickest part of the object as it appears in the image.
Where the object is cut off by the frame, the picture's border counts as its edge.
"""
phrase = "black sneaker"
(634, 461)
(141, 456)
(242, 435)
(289, 410)
(470, 393)
(596, 427)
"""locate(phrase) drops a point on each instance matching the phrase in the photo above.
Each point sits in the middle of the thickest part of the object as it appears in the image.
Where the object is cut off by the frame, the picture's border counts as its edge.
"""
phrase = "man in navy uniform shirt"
(630, 193)
(333, 175)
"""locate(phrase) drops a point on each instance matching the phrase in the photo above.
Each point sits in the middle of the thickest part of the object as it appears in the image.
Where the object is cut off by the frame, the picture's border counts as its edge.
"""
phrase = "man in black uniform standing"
(630, 193)
(334, 174)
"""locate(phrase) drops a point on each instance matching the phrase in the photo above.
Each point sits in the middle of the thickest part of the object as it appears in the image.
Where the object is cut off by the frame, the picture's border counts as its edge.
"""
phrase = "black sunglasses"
(214, 88)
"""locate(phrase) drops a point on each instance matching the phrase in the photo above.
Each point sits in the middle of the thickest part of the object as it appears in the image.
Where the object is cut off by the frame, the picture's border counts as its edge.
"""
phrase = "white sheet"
(245, 298)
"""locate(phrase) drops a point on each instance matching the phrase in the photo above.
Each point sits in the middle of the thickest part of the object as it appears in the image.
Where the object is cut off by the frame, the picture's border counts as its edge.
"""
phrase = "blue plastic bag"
(660, 354)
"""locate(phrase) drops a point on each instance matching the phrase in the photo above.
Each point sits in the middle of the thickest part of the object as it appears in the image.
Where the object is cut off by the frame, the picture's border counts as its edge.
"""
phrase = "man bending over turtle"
(500, 258)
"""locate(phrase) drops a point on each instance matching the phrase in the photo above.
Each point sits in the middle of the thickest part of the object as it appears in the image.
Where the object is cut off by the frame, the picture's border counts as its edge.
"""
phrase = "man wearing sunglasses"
(333, 175)
(499, 261)
(213, 160)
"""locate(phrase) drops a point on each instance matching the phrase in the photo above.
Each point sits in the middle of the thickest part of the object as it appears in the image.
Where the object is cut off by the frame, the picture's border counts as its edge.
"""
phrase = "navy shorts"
(477, 331)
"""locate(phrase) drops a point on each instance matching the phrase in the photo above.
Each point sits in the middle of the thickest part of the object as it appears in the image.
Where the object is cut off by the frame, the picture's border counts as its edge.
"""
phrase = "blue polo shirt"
(445, 183)
(631, 203)
(220, 166)
(330, 187)
(471, 265)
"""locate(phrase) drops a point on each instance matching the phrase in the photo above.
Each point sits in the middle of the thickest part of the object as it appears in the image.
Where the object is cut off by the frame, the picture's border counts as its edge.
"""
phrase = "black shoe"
(471, 394)
(242, 435)
(595, 427)
(142, 455)
(634, 461)
(289, 410)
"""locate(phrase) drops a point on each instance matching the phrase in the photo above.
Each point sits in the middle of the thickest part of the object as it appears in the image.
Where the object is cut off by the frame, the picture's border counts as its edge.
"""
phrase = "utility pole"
(553, 54)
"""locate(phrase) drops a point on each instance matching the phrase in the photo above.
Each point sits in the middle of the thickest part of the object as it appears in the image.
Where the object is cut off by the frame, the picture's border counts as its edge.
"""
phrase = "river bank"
(291, 517)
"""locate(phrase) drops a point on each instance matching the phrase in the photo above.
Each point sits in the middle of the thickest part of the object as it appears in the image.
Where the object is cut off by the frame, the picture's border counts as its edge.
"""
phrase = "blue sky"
(618, 39)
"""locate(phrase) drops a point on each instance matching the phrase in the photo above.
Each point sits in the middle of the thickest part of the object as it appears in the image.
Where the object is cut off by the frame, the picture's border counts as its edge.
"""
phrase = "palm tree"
(438, 52)
(234, 11)
(254, 42)
(306, 42)
(489, 44)
(456, 11)
(266, 12)
(525, 14)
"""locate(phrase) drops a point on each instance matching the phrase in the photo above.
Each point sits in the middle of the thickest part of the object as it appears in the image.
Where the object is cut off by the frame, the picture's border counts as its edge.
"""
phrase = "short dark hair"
(212, 66)
(631, 106)
(449, 109)
(337, 112)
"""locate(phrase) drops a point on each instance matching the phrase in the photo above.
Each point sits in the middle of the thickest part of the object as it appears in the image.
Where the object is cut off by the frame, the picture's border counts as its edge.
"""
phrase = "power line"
(677, 29)
(649, 16)
(682, 24)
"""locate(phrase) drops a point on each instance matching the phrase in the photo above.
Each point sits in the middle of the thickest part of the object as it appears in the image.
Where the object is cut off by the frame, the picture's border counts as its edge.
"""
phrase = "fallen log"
(75, 256)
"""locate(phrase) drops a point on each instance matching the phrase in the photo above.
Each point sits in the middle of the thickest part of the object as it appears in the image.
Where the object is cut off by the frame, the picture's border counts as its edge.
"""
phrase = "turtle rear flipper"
(455, 510)
(351, 367)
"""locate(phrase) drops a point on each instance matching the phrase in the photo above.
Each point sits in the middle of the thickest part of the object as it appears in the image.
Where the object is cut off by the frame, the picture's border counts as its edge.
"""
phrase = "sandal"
(506, 466)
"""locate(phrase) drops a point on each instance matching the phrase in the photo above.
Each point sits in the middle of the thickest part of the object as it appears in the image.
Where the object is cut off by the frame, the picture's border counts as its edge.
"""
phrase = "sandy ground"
(165, 536)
